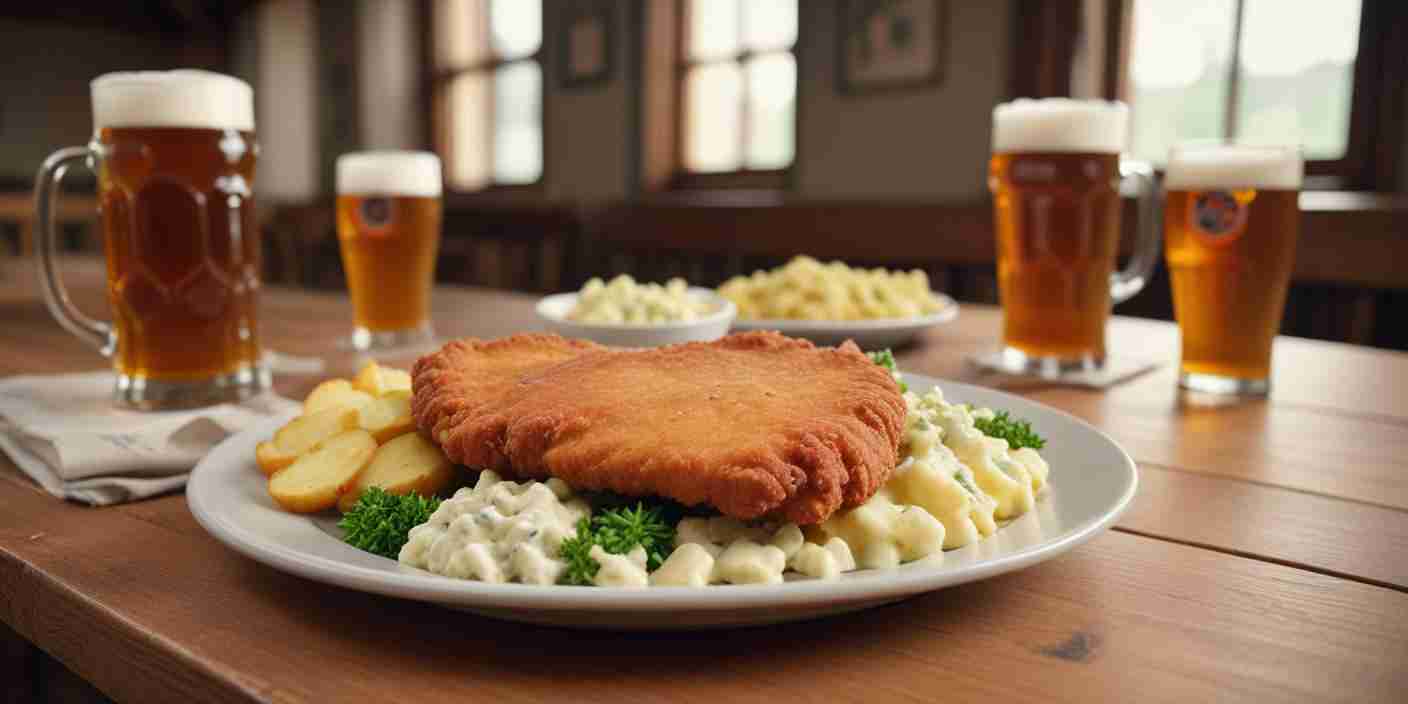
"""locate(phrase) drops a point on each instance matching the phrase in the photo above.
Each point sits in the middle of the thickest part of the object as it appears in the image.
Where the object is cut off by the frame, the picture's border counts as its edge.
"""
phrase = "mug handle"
(95, 332)
(1131, 280)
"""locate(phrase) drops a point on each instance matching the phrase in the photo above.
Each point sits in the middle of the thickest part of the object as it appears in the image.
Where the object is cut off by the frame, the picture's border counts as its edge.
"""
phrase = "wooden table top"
(1264, 559)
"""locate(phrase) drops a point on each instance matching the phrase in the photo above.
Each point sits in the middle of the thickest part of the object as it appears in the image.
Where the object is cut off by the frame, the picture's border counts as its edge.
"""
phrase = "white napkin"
(66, 434)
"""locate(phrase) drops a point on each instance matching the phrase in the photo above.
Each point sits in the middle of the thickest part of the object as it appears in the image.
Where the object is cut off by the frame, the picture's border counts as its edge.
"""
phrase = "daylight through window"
(739, 85)
(488, 91)
(1256, 70)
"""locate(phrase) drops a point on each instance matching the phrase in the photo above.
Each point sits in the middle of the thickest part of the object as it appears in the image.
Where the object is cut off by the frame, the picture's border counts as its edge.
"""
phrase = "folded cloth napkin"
(66, 434)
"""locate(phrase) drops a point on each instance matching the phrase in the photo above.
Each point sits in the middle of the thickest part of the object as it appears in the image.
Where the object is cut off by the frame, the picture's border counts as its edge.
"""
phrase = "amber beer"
(175, 157)
(1230, 222)
(388, 225)
(1055, 175)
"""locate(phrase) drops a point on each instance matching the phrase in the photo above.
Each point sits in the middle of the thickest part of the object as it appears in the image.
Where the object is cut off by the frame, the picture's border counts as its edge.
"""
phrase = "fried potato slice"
(301, 435)
(271, 459)
(315, 481)
(379, 381)
(387, 416)
(404, 464)
(332, 394)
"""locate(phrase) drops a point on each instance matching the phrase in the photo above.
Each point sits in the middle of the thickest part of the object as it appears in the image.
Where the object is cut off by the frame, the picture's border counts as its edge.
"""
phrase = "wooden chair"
(524, 248)
(76, 214)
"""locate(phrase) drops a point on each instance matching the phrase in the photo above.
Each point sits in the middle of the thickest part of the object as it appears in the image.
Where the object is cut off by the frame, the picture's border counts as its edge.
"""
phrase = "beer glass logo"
(1218, 216)
(377, 212)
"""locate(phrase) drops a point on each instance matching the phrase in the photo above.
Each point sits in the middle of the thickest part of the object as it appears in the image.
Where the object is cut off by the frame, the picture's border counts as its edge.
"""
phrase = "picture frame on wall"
(588, 45)
(890, 45)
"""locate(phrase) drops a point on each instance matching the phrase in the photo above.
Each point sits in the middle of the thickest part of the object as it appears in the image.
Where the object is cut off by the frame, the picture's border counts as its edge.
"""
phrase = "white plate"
(553, 310)
(869, 334)
(1092, 481)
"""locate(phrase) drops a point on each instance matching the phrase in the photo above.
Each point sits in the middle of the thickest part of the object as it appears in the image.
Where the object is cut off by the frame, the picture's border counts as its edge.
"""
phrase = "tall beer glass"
(388, 226)
(1231, 222)
(174, 153)
(1055, 177)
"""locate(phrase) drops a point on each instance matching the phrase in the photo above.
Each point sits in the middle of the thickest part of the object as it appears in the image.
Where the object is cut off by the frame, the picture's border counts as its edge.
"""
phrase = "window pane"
(713, 97)
(461, 33)
(516, 27)
(1297, 75)
(769, 24)
(518, 123)
(772, 99)
(712, 29)
(465, 115)
(1180, 55)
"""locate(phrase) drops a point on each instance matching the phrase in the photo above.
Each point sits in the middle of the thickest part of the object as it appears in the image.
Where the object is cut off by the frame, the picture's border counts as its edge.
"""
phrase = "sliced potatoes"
(352, 435)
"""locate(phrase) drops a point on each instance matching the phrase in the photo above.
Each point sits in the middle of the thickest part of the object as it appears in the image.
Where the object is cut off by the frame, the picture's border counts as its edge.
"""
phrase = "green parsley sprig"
(886, 359)
(618, 530)
(1017, 433)
(379, 522)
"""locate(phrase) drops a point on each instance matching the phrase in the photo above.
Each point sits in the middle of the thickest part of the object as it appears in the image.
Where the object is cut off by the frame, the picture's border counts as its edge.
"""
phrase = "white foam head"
(1231, 166)
(183, 98)
(1060, 125)
(389, 173)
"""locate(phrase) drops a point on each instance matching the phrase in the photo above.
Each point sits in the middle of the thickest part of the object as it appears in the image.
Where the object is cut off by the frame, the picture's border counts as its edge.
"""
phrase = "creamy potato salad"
(623, 301)
(498, 531)
(806, 289)
(952, 487)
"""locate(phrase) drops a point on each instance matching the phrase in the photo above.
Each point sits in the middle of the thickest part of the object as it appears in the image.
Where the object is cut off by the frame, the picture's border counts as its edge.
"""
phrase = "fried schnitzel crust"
(755, 424)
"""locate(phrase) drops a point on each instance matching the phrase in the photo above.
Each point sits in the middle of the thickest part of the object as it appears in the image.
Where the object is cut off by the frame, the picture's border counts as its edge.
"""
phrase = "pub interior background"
(580, 139)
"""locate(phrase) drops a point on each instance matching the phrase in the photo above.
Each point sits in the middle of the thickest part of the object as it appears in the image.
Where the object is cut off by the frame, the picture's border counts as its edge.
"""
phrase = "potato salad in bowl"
(624, 301)
(623, 312)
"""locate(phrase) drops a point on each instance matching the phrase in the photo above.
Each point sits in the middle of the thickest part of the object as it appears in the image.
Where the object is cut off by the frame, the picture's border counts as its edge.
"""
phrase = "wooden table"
(1265, 559)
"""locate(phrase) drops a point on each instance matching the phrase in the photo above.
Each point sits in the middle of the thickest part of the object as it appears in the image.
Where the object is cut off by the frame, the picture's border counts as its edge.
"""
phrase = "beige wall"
(389, 75)
(588, 130)
(285, 101)
(930, 144)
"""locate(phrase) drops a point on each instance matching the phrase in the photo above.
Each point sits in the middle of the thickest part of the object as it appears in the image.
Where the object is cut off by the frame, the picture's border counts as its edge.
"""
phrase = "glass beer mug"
(1230, 223)
(174, 153)
(388, 229)
(1055, 176)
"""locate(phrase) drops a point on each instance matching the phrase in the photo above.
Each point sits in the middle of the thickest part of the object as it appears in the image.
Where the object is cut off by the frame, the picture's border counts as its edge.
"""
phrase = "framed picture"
(585, 56)
(887, 45)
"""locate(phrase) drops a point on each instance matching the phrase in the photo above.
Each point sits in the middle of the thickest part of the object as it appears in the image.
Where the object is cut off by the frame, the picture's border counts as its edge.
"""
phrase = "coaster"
(1113, 371)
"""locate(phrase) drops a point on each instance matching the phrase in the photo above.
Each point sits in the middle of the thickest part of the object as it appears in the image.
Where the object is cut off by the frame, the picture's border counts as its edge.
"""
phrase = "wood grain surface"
(1263, 560)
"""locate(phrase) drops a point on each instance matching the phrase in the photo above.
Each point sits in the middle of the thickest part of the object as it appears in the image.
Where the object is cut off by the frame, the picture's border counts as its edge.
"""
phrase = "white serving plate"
(553, 311)
(1092, 481)
(869, 334)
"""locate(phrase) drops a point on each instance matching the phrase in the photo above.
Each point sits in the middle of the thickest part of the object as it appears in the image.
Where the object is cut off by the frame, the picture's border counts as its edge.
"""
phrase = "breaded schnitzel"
(755, 424)
(468, 380)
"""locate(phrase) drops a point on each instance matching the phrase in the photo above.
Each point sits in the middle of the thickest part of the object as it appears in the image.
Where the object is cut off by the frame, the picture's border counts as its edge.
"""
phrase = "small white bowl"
(712, 326)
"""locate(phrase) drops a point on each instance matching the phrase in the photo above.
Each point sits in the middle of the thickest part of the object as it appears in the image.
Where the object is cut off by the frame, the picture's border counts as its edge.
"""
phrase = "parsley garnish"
(618, 530)
(379, 522)
(1017, 433)
(886, 359)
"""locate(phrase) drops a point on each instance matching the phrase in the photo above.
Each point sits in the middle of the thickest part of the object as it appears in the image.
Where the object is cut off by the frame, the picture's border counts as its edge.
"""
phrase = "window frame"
(683, 179)
(434, 79)
(1375, 138)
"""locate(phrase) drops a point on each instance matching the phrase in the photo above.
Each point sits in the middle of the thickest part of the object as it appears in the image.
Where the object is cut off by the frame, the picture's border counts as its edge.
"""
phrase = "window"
(488, 91)
(738, 85)
(1257, 70)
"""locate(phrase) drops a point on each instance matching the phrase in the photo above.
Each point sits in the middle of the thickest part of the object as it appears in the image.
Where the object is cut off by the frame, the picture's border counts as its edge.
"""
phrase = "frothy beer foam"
(389, 173)
(1229, 166)
(183, 98)
(1059, 125)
